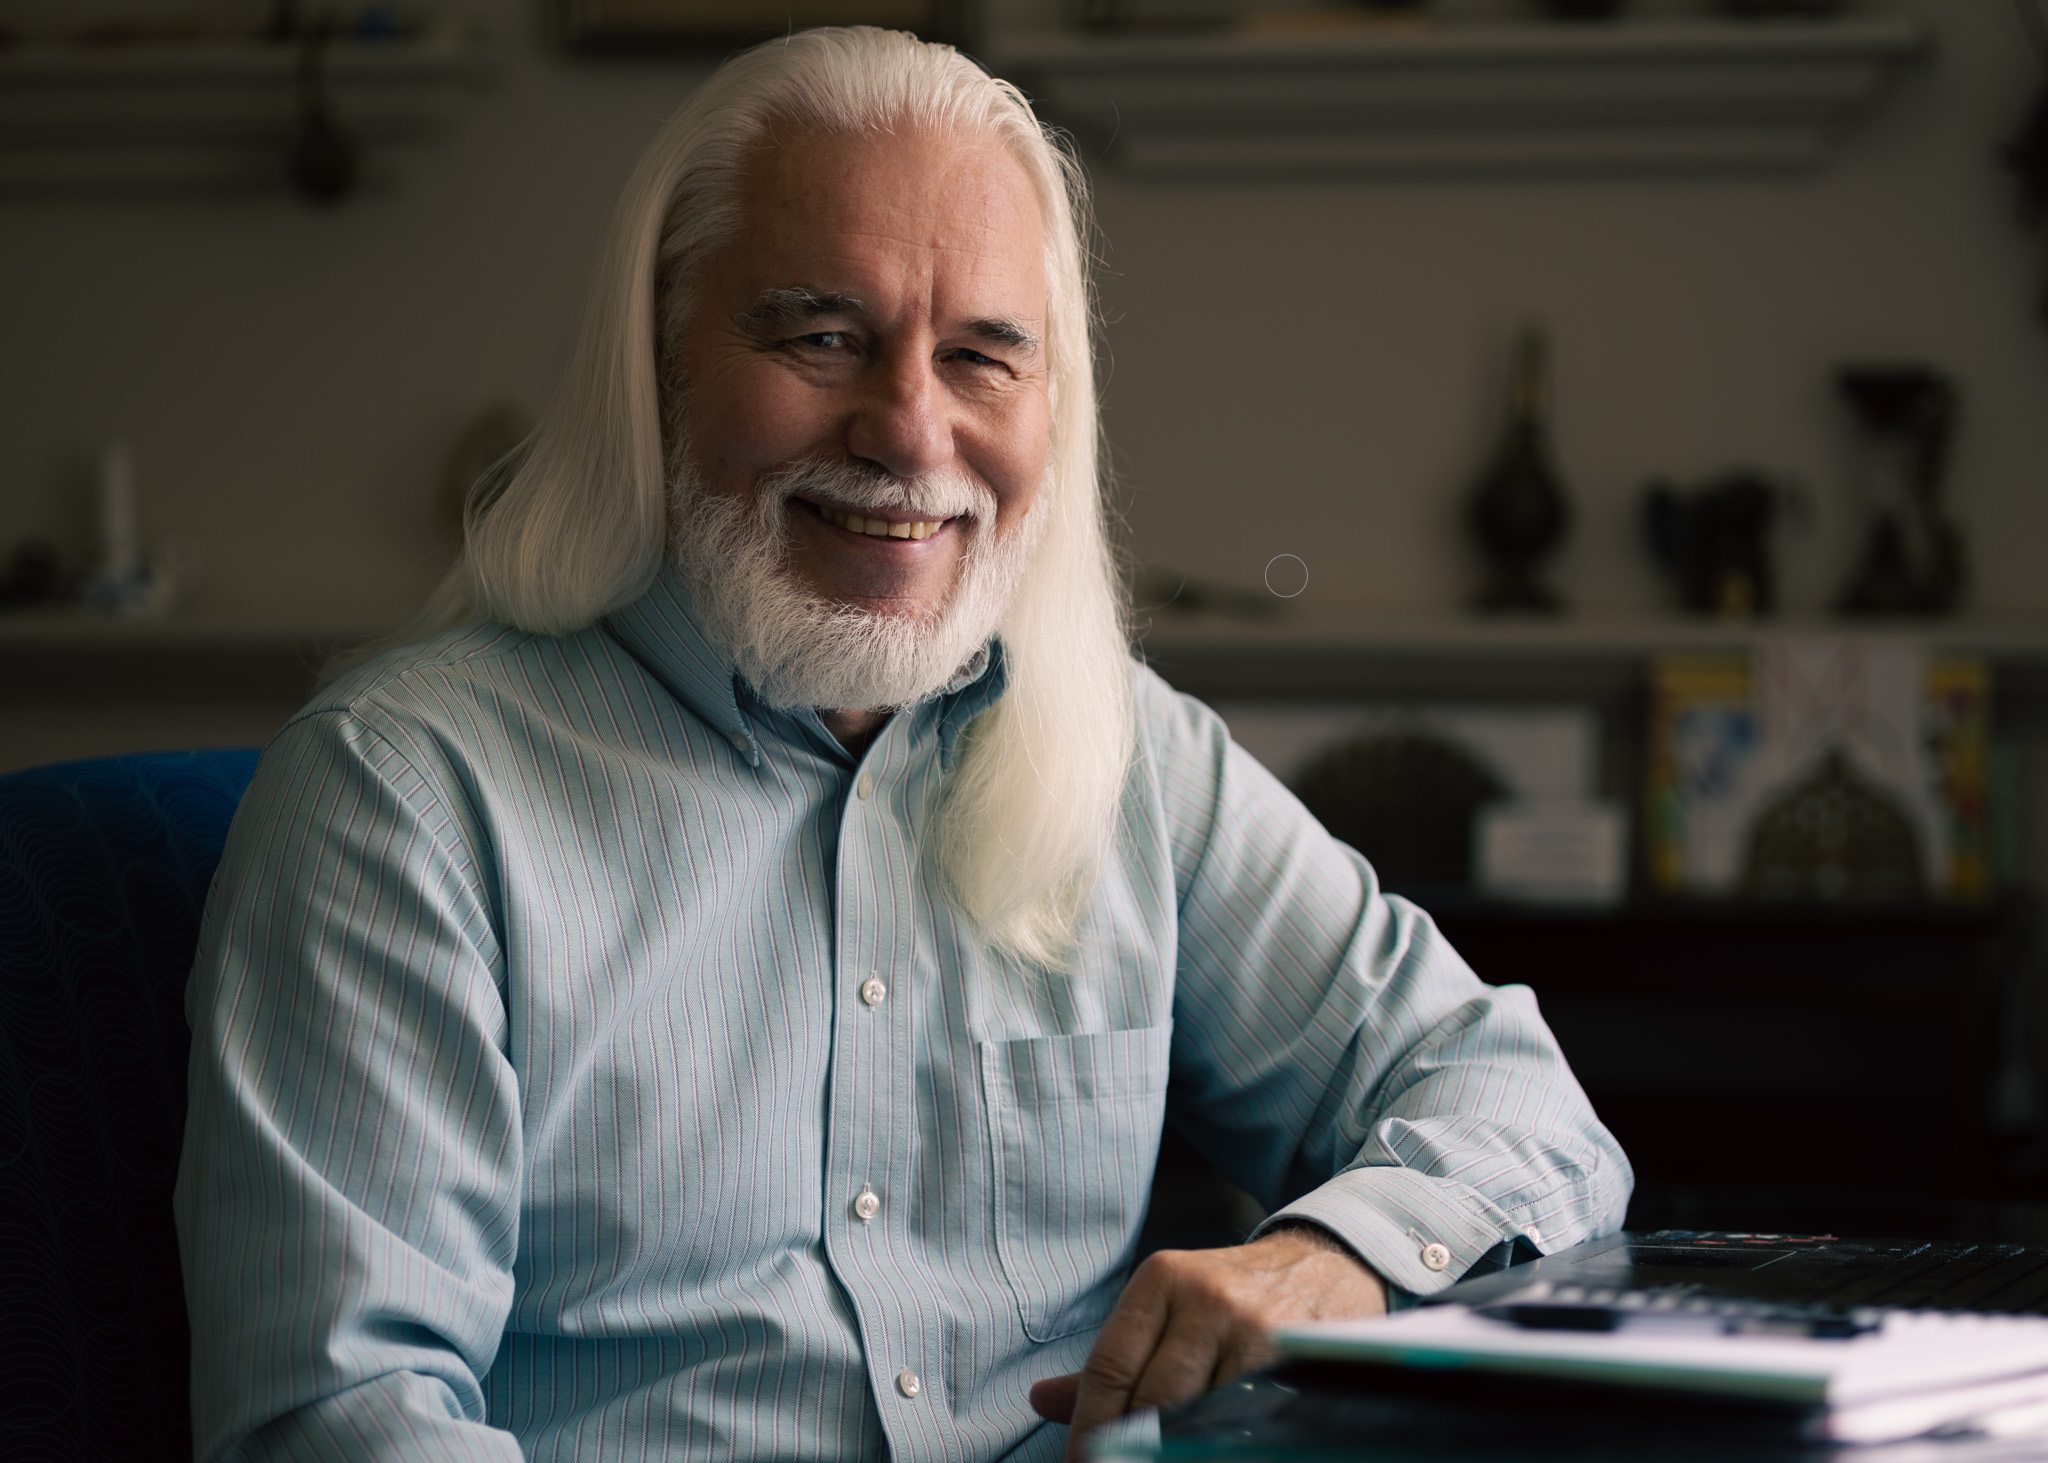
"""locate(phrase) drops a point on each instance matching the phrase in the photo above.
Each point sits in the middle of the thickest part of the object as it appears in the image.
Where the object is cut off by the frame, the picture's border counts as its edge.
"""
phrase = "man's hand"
(1191, 1320)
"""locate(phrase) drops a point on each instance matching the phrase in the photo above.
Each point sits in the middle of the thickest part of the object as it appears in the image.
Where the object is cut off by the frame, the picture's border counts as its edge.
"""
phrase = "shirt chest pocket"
(1074, 1128)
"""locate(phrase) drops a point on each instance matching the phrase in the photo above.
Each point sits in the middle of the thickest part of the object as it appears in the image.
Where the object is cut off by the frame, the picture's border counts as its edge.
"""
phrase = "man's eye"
(975, 358)
(826, 340)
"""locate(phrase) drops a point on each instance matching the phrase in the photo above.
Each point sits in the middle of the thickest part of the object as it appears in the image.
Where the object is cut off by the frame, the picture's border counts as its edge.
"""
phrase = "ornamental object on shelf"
(1715, 541)
(1835, 835)
(1517, 512)
(1913, 560)
(1407, 800)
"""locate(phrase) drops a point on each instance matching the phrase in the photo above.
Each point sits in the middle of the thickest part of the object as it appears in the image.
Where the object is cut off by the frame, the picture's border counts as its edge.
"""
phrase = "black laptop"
(1804, 1270)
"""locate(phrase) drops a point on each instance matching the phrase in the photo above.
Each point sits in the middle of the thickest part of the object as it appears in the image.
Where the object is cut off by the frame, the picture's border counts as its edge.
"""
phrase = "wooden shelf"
(1606, 636)
(69, 655)
(67, 625)
(1313, 656)
(214, 116)
(1647, 96)
(1598, 661)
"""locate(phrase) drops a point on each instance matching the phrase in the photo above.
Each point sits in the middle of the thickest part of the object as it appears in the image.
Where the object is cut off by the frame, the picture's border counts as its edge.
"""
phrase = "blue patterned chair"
(104, 867)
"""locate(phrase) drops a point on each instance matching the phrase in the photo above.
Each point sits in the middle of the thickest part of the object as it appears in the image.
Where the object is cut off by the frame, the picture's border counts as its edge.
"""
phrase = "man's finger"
(1245, 1351)
(1053, 1397)
(1126, 1344)
(1187, 1361)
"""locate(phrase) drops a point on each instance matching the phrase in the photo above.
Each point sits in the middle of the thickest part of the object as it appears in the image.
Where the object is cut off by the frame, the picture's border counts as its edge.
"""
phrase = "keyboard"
(1810, 1274)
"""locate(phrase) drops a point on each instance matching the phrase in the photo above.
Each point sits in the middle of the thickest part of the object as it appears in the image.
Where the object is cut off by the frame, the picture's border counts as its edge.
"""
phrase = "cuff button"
(1436, 1257)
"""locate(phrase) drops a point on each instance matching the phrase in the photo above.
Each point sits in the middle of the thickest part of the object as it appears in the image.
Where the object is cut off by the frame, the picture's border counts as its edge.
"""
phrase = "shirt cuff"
(1419, 1233)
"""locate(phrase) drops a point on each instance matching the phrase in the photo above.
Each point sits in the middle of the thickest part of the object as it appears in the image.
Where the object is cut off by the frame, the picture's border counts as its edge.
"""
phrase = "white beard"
(797, 649)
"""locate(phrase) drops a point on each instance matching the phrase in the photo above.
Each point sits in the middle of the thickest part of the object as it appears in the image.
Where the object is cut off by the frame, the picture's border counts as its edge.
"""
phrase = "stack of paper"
(1898, 1374)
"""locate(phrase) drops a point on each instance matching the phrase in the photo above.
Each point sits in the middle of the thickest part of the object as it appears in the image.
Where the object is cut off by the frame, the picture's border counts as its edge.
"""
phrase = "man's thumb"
(1053, 1399)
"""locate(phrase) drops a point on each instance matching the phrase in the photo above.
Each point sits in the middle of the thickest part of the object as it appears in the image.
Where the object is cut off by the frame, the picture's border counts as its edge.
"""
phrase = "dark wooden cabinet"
(1856, 1070)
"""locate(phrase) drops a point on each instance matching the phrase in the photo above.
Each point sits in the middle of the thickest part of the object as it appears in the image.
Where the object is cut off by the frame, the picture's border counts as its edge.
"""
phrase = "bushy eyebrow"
(791, 307)
(1004, 332)
(795, 305)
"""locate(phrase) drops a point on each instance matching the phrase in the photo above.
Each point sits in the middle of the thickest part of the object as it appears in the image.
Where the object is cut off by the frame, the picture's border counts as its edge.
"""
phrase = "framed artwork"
(716, 25)
(1822, 768)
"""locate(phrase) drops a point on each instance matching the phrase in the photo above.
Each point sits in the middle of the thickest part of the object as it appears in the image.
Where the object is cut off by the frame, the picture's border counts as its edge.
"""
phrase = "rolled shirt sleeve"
(1335, 1055)
(348, 1200)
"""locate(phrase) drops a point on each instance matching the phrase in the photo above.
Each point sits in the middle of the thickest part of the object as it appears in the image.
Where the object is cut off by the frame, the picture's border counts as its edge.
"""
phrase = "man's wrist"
(1328, 1240)
(1315, 1233)
(1321, 1239)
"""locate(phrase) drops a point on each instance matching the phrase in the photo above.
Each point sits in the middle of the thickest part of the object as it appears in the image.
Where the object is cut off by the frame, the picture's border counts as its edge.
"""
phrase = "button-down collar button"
(907, 1383)
(867, 786)
(867, 1204)
(1435, 1256)
(873, 991)
(742, 741)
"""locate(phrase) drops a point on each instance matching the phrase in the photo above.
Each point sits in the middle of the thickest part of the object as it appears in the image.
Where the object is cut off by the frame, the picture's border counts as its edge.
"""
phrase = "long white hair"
(575, 526)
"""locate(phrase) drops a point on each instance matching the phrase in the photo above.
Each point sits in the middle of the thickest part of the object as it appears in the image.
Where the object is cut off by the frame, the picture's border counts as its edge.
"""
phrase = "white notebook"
(1916, 1372)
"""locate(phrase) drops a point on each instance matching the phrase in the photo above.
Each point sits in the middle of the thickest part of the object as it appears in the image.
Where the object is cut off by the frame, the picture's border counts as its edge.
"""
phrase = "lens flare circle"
(1285, 593)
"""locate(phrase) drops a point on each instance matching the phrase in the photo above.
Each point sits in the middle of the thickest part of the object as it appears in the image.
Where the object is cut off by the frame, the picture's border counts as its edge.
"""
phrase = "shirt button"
(907, 1383)
(867, 786)
(867, 1204)
(1535, 1235)
(873, 991)
(742, 741)
(1435, 1256)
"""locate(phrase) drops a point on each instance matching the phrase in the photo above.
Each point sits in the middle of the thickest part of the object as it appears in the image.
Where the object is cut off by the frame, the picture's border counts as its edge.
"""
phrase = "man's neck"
(854, 729)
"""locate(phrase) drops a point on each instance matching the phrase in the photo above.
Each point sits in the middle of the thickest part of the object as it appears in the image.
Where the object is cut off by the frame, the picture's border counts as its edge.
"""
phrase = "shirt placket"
(871, 1157)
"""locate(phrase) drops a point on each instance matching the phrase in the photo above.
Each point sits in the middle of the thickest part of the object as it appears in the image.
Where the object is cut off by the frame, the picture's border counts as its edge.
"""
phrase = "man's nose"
(901, 422)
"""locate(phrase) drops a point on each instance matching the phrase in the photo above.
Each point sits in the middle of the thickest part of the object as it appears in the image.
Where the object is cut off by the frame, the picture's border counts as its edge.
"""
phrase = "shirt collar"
(660, 630)
(979, 685)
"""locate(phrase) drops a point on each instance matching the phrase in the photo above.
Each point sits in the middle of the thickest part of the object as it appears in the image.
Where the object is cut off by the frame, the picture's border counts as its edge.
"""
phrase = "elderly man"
(719, 993)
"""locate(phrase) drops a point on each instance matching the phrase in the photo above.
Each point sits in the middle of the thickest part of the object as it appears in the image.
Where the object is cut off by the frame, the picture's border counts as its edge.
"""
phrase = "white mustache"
(947, 493)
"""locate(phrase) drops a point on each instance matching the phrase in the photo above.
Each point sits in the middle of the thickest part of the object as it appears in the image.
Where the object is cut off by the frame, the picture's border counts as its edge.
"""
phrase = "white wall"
(290, 378)
(1317, 370)
(1303, 368)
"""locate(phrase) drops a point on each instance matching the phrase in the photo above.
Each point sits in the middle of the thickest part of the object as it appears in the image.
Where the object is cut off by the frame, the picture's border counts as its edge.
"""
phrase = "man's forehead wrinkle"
(994, 210)
(834, 229)
(801, 194)
(903, 226)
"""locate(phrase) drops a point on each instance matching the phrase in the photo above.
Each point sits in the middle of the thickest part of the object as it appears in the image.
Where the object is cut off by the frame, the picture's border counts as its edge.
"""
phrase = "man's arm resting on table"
(1339, 1060)
(1191, 1320)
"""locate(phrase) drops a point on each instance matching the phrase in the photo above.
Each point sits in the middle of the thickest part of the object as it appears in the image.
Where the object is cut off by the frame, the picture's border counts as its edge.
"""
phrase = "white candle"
(120, 535)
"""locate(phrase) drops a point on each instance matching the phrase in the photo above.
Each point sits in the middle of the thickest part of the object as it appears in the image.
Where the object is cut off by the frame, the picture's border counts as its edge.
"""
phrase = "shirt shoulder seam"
(373, 693)
(472, 870)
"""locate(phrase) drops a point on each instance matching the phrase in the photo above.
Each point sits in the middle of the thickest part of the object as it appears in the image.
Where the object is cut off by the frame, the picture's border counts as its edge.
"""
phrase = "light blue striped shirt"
(537, 1077)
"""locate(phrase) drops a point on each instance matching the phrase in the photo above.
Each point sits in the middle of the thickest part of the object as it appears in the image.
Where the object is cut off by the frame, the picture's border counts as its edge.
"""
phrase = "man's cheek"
(760, 424)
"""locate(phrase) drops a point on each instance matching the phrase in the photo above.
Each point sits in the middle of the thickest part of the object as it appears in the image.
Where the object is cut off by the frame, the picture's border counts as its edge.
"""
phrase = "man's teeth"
(879, 527)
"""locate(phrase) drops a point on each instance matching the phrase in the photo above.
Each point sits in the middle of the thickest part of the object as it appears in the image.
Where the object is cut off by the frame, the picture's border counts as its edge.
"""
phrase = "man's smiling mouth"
(878, 527)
